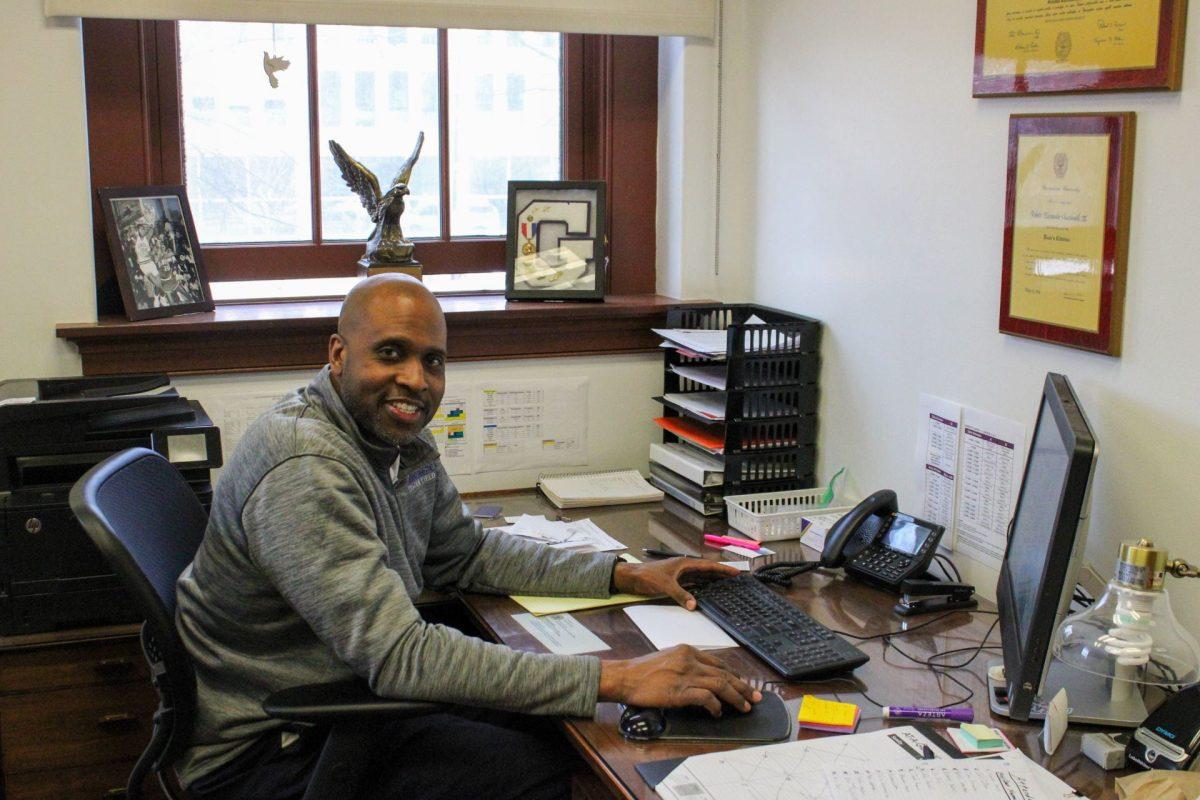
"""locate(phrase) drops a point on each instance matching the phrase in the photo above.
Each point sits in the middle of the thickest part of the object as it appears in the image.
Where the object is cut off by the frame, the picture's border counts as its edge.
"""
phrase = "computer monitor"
(1045, 546)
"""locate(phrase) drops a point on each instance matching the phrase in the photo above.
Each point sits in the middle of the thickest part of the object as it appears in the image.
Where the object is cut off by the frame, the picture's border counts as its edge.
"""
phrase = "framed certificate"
(1066, 228)
(1036, 46)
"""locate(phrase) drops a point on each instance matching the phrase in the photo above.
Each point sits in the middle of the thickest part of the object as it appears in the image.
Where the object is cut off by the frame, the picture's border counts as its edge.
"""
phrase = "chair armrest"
(330, 702)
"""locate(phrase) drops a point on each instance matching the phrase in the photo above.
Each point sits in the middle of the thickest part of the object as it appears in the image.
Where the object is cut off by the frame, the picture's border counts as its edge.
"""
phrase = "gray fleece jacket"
(310, 565)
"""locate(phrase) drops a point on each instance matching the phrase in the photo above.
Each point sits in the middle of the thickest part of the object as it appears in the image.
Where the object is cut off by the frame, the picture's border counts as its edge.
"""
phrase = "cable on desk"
(781, 572)
(854, 683)
(948, 568)
(944, 670)
(914, 628)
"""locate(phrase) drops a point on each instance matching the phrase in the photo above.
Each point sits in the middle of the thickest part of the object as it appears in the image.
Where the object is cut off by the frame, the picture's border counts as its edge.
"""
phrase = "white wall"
(46, 261)
(878, 207)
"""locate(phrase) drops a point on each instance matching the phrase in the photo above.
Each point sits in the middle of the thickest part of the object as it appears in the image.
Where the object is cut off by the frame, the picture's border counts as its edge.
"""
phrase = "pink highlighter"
(722, 541)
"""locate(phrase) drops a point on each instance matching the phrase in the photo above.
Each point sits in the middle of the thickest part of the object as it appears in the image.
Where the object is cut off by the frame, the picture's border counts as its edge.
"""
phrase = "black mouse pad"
(767, 721)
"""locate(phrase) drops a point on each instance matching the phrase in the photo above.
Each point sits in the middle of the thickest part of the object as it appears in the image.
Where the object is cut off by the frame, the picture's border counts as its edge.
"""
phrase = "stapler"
(927, 596)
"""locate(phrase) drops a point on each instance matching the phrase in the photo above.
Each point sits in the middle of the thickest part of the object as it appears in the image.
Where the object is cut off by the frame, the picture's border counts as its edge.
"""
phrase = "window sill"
(295, 335)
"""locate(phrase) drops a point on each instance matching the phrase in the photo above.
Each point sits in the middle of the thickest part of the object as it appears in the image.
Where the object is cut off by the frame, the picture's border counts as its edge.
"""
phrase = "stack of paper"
(709, 438)
(712, 375)
(827, 715)
(710, 405)
(714, 344)
(707, 344)
(579, 534)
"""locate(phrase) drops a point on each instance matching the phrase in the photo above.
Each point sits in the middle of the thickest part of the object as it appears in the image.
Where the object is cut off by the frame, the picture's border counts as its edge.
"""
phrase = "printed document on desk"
(951, 779)
(578, 534)
(792, 770)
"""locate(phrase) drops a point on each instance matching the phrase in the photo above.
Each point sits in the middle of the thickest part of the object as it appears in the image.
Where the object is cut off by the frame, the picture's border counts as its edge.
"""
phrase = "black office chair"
(146, 521)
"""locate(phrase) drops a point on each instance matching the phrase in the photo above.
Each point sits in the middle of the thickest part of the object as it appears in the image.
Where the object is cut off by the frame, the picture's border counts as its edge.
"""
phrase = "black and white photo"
(155, 251)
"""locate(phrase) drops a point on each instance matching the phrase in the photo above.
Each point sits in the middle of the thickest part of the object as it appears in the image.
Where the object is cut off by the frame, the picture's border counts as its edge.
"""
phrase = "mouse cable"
(856, 687)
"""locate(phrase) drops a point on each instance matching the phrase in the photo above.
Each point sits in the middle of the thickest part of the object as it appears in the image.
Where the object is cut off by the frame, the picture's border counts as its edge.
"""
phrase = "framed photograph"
(1066, 228)
(556, 241)
(155, 251)
(1036, 46)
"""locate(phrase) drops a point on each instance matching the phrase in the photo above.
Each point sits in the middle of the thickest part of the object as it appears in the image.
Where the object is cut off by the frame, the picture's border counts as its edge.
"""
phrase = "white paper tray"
(772, 516)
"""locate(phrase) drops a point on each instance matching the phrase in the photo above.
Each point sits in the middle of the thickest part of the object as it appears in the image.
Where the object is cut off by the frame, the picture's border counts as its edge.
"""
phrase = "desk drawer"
(99, 782)
(83, 664)
(75, 727)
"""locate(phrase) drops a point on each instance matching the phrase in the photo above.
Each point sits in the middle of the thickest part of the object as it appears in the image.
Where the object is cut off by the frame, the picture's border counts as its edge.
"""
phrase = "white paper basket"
(772, 516)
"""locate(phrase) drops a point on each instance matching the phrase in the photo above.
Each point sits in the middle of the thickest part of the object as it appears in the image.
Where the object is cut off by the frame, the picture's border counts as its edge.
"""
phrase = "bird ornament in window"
(387, 249)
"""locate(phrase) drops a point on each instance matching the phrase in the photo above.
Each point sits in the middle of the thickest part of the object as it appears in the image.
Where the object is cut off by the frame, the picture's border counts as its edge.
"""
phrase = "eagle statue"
(386, 245)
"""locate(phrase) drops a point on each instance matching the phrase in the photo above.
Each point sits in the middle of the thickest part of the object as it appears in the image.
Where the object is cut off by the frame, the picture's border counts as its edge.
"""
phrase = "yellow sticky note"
(815, 711)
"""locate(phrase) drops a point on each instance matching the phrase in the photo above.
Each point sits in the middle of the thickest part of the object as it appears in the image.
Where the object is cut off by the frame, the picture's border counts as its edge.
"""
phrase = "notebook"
(615, 487)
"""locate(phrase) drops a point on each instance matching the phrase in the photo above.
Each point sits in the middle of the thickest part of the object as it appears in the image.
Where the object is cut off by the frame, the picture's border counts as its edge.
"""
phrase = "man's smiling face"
(388, 359)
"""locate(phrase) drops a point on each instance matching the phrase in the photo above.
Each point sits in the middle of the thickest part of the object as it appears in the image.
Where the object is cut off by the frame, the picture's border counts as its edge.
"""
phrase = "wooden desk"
(841, 604)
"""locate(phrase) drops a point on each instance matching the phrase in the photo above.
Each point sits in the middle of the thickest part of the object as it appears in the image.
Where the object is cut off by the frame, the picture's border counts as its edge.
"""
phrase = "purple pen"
(957, 714)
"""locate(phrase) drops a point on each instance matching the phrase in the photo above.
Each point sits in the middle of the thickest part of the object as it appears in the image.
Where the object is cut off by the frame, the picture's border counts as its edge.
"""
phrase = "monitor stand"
(1089, 697)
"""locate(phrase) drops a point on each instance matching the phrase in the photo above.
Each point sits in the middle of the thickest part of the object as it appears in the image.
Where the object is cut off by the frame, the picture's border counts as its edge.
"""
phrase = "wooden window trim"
(295, 335)
(134, 130)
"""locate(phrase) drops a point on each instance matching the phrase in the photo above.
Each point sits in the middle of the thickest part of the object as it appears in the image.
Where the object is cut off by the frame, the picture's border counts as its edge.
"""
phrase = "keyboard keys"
(791, 642)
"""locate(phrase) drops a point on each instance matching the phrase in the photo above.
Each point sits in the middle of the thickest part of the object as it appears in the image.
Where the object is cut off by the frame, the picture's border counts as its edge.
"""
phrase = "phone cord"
(781, 572)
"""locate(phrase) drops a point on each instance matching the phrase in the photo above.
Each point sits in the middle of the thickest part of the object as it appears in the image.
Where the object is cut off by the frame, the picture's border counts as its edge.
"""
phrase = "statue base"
(368, 268)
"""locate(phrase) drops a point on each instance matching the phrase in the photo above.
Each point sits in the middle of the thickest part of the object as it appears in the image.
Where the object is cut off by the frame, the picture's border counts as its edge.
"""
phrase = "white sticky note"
(744, 566)
(561, 634)
(667, 626)
(747, 552)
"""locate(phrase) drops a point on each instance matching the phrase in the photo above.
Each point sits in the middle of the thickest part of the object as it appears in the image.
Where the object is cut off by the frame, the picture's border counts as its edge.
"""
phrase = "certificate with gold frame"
(1066, 229)
(1036, 46)
(556, 240)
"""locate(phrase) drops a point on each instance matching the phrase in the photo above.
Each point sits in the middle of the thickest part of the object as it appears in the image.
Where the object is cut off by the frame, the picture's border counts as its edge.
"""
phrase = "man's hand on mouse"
(665, 577)
(680, 676)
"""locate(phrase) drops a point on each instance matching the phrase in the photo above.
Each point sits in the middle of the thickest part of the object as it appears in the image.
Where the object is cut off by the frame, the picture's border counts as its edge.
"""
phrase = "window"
(364, 92)
(514, 92)
(398, 91)
(189, 103)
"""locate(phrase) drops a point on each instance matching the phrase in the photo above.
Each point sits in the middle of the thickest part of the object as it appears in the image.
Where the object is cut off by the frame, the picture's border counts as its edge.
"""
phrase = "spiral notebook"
(611, 488)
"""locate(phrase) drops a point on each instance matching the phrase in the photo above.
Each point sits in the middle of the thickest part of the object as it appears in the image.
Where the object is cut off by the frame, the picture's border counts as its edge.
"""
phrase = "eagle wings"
(364, 183)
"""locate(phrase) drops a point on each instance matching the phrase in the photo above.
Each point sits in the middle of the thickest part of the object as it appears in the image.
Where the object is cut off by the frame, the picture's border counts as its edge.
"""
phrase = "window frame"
(135, 138)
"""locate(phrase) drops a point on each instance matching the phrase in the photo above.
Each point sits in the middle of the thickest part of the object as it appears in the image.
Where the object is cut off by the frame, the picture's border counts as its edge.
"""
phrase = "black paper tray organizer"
(771, 373)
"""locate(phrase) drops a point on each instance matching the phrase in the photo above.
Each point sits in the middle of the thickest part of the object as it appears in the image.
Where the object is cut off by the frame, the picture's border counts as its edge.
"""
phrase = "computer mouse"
(642, 724)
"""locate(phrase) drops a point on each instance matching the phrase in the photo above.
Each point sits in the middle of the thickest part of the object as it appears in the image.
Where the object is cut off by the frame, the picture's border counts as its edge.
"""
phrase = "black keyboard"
(792, 643)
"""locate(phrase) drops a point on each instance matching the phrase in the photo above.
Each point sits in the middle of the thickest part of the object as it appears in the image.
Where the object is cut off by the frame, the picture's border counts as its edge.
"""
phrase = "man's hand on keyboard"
(680, 676)
(665, 577)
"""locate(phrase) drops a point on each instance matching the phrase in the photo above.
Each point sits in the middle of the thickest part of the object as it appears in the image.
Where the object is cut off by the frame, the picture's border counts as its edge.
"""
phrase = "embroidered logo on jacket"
(420, 477)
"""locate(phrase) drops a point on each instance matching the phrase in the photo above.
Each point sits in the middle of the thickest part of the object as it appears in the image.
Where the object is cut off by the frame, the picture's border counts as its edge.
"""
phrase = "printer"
(52, 431)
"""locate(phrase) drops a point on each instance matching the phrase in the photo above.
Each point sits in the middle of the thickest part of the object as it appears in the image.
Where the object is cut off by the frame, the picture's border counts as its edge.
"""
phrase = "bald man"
(330, 517)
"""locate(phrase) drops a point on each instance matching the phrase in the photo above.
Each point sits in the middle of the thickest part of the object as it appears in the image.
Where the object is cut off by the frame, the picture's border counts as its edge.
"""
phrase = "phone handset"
(861, 526)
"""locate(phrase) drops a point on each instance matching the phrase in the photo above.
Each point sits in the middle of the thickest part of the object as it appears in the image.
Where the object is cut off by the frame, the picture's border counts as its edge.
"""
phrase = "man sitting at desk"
(329, 519)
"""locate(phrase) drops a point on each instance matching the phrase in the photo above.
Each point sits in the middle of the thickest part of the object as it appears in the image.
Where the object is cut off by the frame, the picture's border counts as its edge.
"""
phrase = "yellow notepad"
(542, 605)
(827, 715)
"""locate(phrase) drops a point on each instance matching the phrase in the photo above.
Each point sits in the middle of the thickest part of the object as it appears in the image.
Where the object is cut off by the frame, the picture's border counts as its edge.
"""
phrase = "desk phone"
(878, 544)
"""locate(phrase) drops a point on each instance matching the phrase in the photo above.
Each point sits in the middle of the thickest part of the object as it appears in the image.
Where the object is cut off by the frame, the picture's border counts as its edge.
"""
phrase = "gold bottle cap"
(1141, 565)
